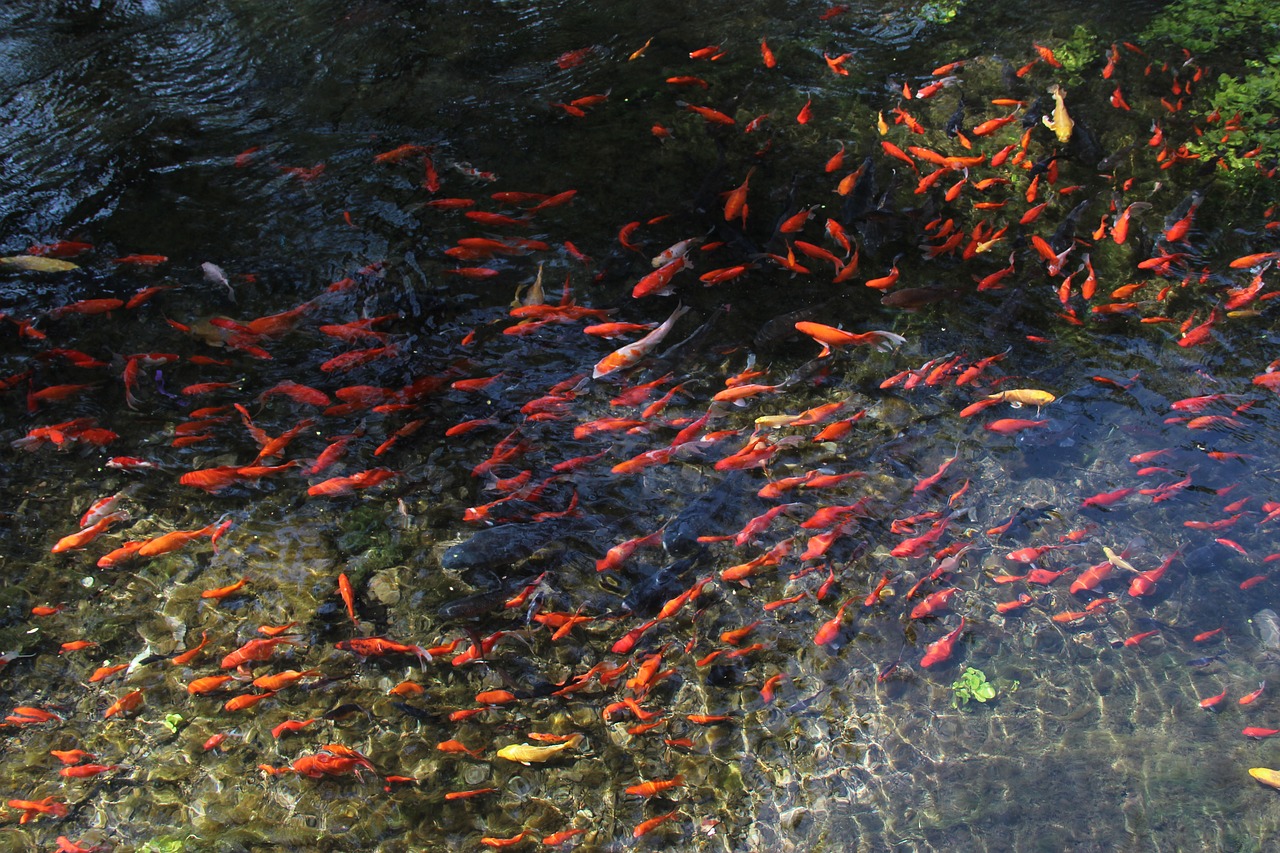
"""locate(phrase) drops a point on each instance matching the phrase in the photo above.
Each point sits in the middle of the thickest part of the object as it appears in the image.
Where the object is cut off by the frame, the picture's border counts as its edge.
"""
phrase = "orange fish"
(830, 629)
(283, 679)
(104, 672)
(735, 204)
(348, 597)
(31, 808)
(940, 651)
(223, 592)
(123, 705)
(712, 116)
(175, 540)
(645, 827)
(84, 537)
(84, 771)
(248, 700)
(290, 726)
(829, 336)
(208, 684)
(255, 651)
(658, 282)
(770, 61)
(897, 153)
(141, 260)
(656, 786)
(190, 655)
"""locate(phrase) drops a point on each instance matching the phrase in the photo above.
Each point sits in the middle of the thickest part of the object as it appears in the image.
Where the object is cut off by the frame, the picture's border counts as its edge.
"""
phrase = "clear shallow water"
(127, 127)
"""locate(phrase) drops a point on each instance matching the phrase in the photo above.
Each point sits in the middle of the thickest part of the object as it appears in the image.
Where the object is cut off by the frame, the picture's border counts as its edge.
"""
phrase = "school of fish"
(587, 626)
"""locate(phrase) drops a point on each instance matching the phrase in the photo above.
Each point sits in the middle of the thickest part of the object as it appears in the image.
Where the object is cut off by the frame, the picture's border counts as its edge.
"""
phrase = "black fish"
(861, 200)
(1023, 519)
(646, 598)
(483, 602)
(1065, 234)
(1041, 107)
(700, 516)
(779, 329)
(508, 544)
(955, 124)
(343, 711)
(417, 713)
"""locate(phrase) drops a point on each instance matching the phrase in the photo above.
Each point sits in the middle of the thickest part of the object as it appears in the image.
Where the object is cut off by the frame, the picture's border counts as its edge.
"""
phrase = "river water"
(287, 173)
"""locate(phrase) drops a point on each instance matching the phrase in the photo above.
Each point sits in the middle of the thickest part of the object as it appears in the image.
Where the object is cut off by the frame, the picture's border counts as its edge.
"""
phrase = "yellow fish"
(770, 421)
(37, 263)
(1061, 123)
(1267, 777)
(527, 753)
(1024, 396)
(1116, 560)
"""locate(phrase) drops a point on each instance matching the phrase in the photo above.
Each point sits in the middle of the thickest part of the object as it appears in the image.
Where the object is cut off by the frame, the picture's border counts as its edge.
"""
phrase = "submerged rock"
(1266, 624)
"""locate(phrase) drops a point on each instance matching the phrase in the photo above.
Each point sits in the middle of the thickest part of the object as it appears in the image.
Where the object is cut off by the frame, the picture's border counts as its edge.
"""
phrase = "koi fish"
(1061, 123)
(1259, 733)
(1264, 775)
(658, 282)
(377, 646)
(656, 786)
(256, 651)
(645, 827)
(84, 537)
(940, 651)
(175, 540)
(711, 116)
(30, 808)
(933, 603)
(348, 597)
(527, 754)
(84, 771)
(123, 705)
(628, 355)
(829, 337)
(1250, 698)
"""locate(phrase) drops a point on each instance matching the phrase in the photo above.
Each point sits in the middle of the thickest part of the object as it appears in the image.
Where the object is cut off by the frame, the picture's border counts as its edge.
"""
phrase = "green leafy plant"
(163, 845)
(1246, 28)
(940, 11)
(972, 685)
(173, 721)
(1241, 40)
(1078, 51)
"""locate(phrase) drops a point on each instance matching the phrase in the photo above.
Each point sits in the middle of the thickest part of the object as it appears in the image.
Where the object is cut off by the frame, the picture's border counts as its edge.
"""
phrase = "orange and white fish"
(628, 355)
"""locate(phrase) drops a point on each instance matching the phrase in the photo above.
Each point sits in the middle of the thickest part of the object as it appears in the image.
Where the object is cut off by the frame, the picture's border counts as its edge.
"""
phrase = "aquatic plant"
(1246, 28)
(940, 11)
(163, 845)
(1243, 36)
(1078, 51)
(972, 685)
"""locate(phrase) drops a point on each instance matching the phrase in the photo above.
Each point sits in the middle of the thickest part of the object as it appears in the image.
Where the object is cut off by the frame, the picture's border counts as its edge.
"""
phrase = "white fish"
(214, 275)
(678, 250)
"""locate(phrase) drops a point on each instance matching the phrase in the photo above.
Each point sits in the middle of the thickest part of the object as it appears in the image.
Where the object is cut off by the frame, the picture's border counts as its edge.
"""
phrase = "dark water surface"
(287, 162)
